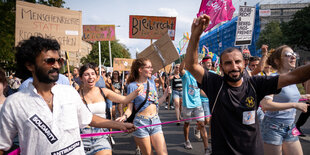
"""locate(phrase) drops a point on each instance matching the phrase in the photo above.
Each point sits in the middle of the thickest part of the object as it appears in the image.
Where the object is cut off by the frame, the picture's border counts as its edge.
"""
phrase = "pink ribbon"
(113, 132)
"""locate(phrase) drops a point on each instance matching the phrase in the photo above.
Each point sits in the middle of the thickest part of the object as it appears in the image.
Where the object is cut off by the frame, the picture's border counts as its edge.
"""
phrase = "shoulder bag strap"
(146, 97)
(218, 93)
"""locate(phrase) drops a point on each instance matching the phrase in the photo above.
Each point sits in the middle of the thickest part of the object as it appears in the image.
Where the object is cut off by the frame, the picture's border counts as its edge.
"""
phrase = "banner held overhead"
(61, 24)
(151, 27)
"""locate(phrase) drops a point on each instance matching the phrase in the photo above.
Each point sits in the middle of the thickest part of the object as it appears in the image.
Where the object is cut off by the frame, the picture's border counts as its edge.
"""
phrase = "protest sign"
(98, 32)
(218, 10)
(122, 64)
(151, 27)
(161, 53)
(245, 25)
(61, 24)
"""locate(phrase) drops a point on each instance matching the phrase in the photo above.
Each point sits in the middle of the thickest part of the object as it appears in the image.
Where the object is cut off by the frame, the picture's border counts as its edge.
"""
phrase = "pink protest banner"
(218, 10)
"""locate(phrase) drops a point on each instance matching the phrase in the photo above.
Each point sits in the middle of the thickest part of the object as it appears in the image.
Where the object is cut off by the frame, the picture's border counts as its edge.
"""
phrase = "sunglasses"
(52, 61)
(291, 54)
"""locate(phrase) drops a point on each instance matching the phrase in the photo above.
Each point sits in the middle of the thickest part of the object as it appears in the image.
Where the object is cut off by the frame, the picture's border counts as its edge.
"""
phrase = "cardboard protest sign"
(98, 32)
(61, 24)
(161, 53)
(167, 68)
(122, 64)
(151, 27)
(245, 25)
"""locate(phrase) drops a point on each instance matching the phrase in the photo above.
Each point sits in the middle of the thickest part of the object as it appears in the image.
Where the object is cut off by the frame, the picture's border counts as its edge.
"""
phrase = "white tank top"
(98, 108)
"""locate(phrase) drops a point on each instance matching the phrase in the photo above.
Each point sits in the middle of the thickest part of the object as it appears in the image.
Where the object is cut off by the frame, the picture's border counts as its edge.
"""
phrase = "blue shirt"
(191, 92)
(100, 83)
(61, 80)
(152, 98)
(289, 93)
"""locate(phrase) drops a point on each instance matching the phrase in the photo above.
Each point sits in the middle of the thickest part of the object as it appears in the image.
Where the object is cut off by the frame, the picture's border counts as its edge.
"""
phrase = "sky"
(116, 12)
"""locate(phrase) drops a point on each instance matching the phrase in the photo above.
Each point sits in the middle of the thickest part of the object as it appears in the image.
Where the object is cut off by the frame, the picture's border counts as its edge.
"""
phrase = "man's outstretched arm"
(299, 75)
(191, 58)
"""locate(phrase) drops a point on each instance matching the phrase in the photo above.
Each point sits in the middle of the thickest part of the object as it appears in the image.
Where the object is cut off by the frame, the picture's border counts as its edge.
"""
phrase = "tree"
(117, 50)
(272, 36)
(297, 31)
(7, 31)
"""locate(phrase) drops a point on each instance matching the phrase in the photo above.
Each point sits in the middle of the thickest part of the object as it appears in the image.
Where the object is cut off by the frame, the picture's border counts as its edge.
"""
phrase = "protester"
(141, 73)
(76, 82)
(177, 92)
(278, 124)
(117, 84)
(95, 100)
(192, 106)
(49, 122)
(3, 85)
(253, 62)
(304, 116)
(234, 98)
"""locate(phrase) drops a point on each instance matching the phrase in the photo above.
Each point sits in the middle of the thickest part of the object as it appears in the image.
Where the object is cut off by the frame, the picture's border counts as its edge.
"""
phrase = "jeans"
(141, 120)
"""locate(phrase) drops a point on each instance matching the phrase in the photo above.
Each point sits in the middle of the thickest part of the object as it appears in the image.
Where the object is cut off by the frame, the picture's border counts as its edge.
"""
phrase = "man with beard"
(46, 115)
(233, 98)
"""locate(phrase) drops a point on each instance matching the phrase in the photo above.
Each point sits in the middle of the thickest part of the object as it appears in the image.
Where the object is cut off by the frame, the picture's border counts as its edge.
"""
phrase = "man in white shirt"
(47, 116)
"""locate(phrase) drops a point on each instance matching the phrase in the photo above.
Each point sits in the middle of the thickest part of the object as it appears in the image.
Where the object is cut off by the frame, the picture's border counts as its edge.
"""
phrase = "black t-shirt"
(235, 128)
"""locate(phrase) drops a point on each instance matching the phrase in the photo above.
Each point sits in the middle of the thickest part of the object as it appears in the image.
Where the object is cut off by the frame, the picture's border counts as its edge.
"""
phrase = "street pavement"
(174, 137)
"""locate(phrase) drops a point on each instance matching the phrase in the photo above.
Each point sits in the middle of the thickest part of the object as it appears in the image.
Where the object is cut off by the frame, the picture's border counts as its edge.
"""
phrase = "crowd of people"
(249, 107)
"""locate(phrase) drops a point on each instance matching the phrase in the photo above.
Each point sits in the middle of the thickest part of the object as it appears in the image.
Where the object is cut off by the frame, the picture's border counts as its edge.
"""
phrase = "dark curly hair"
(27, 52)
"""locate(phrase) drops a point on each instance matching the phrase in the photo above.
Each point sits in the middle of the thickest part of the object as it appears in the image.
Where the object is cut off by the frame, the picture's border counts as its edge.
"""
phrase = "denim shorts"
(177, 94)
(206, 108)
(93, 145)
(193, 112)
(141, 120)
(274, 131)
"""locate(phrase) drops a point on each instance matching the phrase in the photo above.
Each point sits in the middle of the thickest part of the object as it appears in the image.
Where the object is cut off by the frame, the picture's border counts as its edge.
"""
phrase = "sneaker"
(172, 107)
(197, 134)
(166, 107)
(188, 145)
(208, 151)
(138, 151)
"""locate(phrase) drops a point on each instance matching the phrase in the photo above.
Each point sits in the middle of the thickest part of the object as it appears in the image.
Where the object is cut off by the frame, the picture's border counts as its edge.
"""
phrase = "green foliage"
(118, 51)
(55, 3)
(297, 31)
(7, 30)
(272, 36)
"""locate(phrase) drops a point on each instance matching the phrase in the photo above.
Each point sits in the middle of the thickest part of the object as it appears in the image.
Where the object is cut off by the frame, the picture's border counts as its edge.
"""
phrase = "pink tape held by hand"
(113, 132)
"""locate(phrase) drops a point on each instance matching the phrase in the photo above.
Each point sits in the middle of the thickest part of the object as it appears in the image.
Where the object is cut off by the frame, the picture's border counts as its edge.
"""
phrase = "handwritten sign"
(151, 27)
(245, 25)
(61, 24)
(122, 64)
(98, 32)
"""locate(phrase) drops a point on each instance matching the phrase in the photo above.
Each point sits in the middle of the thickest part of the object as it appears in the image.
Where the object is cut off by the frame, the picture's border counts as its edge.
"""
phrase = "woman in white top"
(95, 100)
